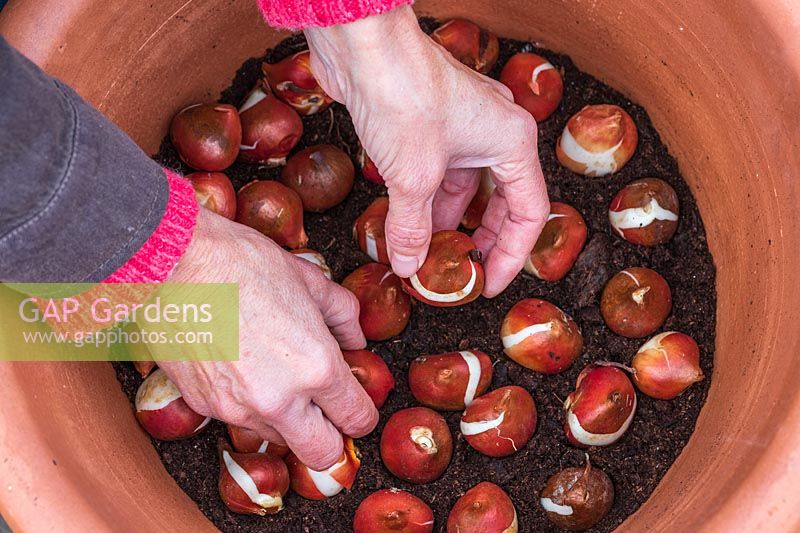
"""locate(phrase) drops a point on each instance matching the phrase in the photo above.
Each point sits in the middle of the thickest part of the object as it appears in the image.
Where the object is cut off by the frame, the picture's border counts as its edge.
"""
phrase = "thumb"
(408, 227)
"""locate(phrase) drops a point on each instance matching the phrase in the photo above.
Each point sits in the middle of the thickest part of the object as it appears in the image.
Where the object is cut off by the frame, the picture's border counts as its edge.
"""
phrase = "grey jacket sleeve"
(77, 197)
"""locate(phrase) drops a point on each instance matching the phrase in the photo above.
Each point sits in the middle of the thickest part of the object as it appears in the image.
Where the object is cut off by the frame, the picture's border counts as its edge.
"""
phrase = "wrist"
(194, 259)
(372, 40)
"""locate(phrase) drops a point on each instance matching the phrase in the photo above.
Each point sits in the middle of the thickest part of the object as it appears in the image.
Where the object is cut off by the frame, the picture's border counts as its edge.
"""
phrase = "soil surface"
(660, 429)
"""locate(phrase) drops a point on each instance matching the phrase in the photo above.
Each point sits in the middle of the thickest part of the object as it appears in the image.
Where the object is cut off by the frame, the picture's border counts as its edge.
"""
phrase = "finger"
(339, 308)
(453, 196)
(514, 218)
(518, 208)
(345, 402)
(311, 436)
(409, 224)
(496, 211)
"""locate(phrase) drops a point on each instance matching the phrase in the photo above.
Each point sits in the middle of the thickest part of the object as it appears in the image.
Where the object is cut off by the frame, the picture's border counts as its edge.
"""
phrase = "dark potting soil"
(660, 429)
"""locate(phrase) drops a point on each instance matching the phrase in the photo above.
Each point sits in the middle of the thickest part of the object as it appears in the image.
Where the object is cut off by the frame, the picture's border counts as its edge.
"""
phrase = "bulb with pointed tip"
(450, 381)
(575, 499)
(270, 129)
(535, 83)
(469, 43)
(372, 373)
(144, 367)
(500, 422)
(316, 485)
(598, 140)
(540, 336)
(138, 351)
(293, 82)
(214, 191)
(322, 175)
(390, 510)
(252, 483)
(559, 244)
(667, 365)
(451, 275)
(601, 408)
(645, 212)
(416, 445)
(315, 258)
(384, 307)
(636, 302)
(162, 411)
(207, 136)
(369, 230)
(273, 209)
(248, 441)
(485, 508)
(477, 206)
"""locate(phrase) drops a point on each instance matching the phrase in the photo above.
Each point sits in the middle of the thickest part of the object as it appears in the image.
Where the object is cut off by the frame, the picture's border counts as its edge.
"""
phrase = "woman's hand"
(429, 123)
(290, 384)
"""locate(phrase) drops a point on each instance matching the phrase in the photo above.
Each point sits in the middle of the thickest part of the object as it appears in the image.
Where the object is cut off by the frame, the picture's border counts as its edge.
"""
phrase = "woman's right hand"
(430, 124)
(290, 383)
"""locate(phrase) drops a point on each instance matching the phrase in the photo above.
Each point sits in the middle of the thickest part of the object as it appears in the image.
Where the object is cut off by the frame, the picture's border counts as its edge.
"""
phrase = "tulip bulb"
(559, 244)
(500, 422)
(162, 411)
(372, 372)
(315, 258)
(248, 441)
(252, 483)
(450, 381)
(273, 209)
(144, 367)
(270, 129)
(369, 230)
(416, 445)
(540, 336)
(485, 508)
(316, 485)
(598, 140)
(214, 191)
(645, 212)
(393, 510)
(384, 307)
(667, 365)
(469, 43)
(601, 408)
(575, 499)
(535, 83)
(451, 275)
(321, 175)
(636, 302)
(207, 136)
(293, 82)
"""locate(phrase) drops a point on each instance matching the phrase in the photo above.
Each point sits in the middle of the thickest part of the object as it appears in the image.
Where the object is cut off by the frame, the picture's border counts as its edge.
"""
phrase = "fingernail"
(405, 266)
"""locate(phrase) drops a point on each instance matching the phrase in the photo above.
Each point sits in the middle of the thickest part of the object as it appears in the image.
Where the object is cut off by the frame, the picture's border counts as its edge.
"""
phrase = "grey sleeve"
(77, 197)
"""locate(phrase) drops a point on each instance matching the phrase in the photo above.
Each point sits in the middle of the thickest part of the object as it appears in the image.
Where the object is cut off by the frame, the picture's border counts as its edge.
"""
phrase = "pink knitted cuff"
(299, 14)
(157, 258)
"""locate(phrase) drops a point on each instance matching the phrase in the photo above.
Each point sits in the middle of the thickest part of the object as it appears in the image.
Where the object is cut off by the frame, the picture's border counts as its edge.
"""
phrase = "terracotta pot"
(721, 80)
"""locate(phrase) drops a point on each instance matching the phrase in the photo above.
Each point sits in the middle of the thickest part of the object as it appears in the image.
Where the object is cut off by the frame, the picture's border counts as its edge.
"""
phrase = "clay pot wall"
(721, 80)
